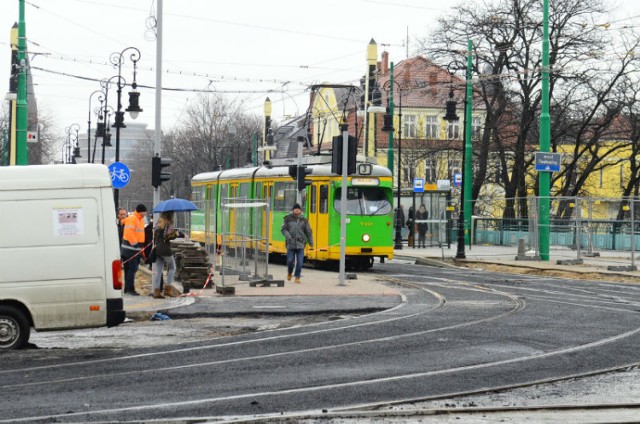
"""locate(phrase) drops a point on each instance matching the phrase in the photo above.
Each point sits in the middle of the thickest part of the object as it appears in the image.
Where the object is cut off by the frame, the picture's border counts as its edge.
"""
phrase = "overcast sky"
(247, 48)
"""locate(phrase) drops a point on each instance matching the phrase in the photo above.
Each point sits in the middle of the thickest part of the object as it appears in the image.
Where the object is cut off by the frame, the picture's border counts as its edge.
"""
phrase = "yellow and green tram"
(369, 209)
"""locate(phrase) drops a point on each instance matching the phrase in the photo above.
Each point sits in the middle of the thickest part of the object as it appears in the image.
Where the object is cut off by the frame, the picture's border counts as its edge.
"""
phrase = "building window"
(453, 131)
(431, 127)
(409, 126)
(476, 128)
(430, 171)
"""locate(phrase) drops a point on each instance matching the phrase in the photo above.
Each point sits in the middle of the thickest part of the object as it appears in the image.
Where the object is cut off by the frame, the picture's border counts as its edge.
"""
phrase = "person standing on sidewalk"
(162, 236)
(423, 227)
(297, 233)
(131, 247)
(122, 214)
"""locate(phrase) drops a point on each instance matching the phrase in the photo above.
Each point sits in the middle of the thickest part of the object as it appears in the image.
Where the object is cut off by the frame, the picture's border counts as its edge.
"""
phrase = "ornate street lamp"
(73, 149)
(97, 112)
(467, 152)
(118, 59)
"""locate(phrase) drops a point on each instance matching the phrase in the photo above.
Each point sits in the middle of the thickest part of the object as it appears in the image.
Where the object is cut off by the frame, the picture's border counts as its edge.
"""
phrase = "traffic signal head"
(293, 171)
(336, 155)
(157, 175)
(302, 172)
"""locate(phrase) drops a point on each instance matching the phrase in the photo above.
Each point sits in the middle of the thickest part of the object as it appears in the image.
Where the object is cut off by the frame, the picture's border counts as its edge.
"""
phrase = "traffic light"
(157, 175)
(293, 171)
(302, 172)
(336, 155)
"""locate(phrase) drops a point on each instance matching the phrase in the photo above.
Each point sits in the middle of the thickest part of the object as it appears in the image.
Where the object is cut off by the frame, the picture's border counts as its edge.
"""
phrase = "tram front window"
(363, 201)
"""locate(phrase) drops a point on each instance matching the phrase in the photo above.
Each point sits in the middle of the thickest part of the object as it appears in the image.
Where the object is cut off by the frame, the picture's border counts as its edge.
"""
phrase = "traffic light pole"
(343, 204)
(299, 192)
(157, 137)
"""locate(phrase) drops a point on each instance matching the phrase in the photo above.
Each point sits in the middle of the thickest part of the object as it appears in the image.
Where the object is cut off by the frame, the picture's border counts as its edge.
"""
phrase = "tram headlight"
(366, 238)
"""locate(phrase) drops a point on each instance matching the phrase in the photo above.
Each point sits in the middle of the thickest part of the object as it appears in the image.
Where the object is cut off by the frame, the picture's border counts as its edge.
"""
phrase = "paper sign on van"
(68, 222)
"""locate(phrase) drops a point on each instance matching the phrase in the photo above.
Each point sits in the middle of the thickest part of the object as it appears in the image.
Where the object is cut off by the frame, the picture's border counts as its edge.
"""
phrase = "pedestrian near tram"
(297, 233)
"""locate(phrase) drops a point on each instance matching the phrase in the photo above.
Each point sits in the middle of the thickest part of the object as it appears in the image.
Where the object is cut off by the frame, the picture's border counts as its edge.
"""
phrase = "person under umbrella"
(163, 234)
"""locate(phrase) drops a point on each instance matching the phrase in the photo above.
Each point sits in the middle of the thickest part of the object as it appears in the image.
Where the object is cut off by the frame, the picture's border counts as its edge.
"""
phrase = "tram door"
(318, 201)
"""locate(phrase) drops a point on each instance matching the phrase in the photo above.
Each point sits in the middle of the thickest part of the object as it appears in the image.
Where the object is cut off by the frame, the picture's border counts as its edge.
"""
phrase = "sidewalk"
(610, 264)
(319, 292)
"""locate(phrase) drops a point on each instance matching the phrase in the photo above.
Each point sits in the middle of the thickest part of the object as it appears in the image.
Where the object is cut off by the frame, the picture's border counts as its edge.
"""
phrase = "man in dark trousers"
(297, 233)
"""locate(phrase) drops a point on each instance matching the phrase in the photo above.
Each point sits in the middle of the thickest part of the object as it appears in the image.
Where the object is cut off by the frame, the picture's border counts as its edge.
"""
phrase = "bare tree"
(41, 152)
(585, 88)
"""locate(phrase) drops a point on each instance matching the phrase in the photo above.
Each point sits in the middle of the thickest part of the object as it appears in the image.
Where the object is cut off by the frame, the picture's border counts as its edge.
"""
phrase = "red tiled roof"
(425, 84)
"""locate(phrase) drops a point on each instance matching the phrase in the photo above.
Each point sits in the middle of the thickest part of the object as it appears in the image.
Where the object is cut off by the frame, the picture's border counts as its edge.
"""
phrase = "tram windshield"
(364, 201)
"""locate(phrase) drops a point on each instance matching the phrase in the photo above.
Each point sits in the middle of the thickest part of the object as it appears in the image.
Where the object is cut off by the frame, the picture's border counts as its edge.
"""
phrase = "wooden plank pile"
(192, 264)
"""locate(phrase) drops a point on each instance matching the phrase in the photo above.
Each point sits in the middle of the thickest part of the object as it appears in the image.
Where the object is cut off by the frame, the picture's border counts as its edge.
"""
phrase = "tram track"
(443, 303)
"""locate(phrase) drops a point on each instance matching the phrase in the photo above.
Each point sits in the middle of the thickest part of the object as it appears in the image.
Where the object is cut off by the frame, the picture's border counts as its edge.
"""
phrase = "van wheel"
(14, 328)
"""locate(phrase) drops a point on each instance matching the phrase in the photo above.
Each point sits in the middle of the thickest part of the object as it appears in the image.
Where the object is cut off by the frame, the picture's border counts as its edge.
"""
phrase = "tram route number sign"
(120, 174)
(548, 162)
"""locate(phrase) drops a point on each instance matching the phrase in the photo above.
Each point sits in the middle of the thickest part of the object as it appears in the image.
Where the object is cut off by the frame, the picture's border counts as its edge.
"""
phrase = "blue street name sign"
(548, 162)
(418, 185)
(120, 174)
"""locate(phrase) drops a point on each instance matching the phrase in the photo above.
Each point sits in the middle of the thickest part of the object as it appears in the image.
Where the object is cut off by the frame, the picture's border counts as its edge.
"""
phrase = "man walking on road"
(297, 232)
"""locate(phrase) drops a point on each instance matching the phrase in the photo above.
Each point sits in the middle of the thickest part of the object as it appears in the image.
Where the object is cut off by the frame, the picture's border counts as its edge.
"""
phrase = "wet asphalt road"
(458, 331)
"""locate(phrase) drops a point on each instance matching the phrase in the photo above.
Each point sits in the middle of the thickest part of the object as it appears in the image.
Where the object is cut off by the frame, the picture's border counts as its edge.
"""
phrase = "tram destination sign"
(548, 162)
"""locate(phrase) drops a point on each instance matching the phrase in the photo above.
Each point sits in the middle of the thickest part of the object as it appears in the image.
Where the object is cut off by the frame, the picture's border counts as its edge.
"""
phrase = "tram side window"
(243, 191)
(197, 193)
(258, 191)
(324, 199)
(224, 192)
(364, 201)
(313, 205)
(284, 196)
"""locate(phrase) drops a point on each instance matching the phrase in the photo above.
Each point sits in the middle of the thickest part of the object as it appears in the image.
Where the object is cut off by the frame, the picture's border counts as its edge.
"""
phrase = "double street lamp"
(118, 59)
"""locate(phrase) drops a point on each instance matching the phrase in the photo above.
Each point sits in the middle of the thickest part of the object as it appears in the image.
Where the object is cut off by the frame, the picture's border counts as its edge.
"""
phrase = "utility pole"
(545, 142)
(467, 179)
(22, 115)
(157, 135)
(391, 110)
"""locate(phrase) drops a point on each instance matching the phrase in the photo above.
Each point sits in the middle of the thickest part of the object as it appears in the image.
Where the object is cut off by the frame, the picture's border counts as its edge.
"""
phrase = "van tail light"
(117, 275)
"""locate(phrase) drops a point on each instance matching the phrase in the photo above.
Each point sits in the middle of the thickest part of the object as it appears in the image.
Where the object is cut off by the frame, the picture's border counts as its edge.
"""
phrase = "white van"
(59, 255)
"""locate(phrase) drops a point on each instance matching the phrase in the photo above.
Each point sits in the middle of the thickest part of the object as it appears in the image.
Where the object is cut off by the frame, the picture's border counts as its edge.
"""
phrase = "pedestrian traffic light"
(302, 172)
(336, 155)
(157, 175)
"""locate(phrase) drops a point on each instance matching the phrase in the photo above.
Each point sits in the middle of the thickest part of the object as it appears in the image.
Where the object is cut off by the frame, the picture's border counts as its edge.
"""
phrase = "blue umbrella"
(174, 205)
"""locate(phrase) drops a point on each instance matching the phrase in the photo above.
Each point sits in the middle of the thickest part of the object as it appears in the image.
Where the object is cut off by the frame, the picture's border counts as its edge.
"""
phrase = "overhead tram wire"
(193, 90)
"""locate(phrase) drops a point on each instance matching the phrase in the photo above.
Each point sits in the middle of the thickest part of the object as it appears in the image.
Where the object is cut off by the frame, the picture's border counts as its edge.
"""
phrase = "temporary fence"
(244, 241)
(578, 227)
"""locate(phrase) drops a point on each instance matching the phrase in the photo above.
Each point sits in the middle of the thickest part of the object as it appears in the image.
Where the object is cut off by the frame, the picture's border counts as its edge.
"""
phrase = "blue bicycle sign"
(120, 174)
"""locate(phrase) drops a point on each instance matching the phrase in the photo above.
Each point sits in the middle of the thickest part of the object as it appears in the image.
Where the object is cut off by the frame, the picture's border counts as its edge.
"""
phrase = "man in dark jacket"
(297, 232)
(122, 214)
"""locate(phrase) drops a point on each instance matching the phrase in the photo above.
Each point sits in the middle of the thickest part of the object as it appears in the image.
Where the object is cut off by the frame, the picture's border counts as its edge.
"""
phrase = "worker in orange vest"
(131, 247)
